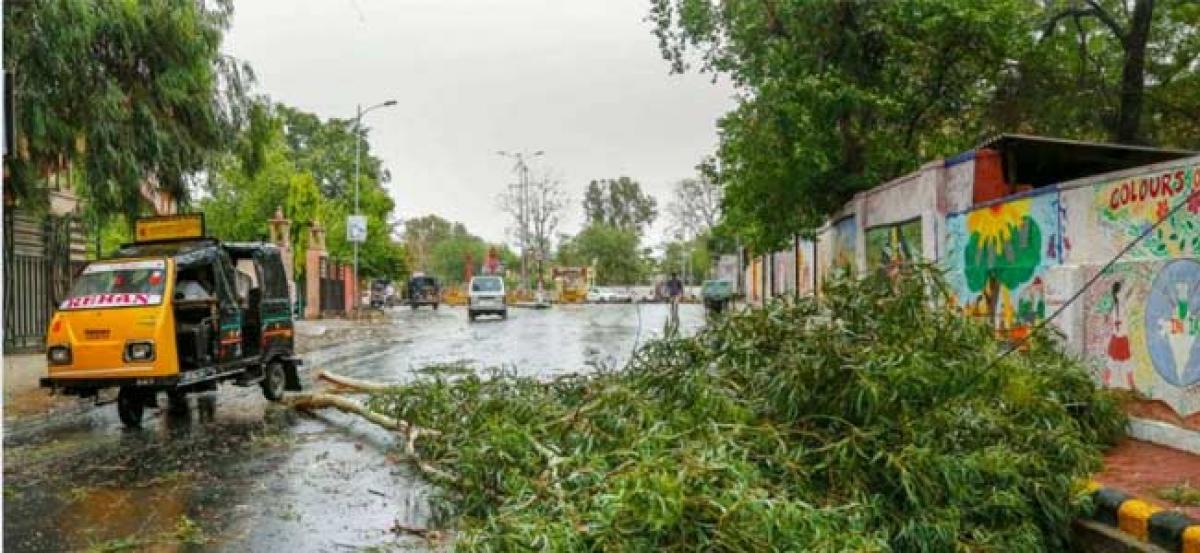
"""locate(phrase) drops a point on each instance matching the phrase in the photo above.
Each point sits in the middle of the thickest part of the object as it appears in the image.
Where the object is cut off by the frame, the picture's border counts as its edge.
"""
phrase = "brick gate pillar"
(281, 236)
(312, 271)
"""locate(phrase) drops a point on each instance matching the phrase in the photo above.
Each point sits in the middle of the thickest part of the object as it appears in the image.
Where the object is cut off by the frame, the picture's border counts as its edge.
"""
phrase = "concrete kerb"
(1140, 520)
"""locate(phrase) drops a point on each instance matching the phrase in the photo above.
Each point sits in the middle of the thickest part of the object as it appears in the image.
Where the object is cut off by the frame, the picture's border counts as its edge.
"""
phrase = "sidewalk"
(22, 396)
(1145, 470)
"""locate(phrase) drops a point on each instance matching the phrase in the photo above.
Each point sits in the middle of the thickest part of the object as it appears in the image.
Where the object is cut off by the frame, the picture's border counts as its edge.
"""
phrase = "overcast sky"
(581, 79)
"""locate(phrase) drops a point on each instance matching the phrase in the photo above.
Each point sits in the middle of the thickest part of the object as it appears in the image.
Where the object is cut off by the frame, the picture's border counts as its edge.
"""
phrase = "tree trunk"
(1133, 75)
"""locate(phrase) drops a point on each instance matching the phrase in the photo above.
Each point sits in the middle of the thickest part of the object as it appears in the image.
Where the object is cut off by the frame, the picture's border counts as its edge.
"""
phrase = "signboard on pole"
(356, 228)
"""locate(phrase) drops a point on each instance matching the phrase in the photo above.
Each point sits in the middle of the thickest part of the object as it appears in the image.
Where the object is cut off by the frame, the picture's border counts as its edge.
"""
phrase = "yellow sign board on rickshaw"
(169, 227)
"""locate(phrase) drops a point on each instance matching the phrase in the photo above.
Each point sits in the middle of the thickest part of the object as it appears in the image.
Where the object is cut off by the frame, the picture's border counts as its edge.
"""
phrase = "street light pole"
(359, 112)
(523, 211)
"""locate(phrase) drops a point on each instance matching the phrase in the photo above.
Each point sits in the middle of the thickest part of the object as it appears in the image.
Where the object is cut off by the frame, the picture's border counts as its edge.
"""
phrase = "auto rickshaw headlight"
(139, 351)
(59, 355)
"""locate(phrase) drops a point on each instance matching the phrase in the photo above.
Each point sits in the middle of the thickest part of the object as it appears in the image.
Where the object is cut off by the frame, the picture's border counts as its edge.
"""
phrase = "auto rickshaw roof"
(192, 252)
(187, 253)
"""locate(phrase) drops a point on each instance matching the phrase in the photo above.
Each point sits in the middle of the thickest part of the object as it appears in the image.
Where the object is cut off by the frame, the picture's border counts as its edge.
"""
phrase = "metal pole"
(524, 221)
(357, 139)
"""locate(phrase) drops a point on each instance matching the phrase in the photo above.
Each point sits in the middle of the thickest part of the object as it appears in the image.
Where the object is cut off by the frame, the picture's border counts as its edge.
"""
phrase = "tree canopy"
(619, 203)
(837, 95)
(120, 93)
(240, 200)
(614, 251)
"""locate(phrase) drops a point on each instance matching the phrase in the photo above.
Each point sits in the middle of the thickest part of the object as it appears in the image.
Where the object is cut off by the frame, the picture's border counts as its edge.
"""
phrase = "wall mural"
(845, 243)
(891, 245)
(996, 257)
(1127, 207)
(805, 266)
(1143, 324)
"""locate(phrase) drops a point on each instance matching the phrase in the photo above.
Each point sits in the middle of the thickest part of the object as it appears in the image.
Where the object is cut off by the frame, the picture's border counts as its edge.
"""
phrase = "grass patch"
(1181, 494)
(866, 420)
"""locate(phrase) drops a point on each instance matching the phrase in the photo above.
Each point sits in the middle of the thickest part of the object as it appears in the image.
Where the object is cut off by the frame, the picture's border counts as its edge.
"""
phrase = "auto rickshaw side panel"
(277, 326)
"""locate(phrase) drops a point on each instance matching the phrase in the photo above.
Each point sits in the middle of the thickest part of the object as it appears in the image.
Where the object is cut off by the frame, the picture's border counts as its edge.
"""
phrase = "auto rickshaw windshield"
(118, 284)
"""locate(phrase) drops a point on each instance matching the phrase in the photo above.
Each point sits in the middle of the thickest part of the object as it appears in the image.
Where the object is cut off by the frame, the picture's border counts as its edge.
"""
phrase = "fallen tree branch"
(309, 402)
(353, 383)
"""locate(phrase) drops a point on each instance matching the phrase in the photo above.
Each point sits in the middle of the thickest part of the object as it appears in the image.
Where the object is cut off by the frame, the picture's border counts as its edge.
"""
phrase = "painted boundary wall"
(1016, 260)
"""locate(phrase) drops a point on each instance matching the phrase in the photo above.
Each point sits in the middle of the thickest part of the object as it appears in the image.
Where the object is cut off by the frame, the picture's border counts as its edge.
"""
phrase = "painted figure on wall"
(997, 255)
(1113, 307)
(1143, 327)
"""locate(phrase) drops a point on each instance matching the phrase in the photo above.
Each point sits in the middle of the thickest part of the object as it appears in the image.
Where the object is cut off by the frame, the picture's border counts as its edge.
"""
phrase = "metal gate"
(333, 289)
(41, 257)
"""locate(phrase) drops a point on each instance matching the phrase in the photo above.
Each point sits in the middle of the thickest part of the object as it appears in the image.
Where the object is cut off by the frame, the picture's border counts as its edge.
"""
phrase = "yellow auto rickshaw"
(174, 312)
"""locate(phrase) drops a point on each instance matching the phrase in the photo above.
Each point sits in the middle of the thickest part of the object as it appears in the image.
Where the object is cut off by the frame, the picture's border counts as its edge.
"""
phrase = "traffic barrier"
(1170, 530)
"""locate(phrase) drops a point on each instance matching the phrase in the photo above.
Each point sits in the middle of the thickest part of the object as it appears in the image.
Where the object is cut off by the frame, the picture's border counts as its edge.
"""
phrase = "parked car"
(602, 295)
(423, 290)
(596, 295)
(485, 296)
(620, 296)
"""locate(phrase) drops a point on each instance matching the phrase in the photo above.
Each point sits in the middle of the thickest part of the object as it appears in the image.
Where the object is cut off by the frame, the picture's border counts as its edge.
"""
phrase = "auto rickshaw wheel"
(274, 381)
(131, 403)
(177, 403)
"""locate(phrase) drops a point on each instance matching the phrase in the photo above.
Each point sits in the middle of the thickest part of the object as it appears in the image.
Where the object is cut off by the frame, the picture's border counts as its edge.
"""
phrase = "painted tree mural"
(998, 254)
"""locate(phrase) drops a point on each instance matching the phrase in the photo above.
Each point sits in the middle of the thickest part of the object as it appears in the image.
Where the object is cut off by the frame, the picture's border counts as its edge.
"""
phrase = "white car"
(620, 296)
(596, 295)
(486, 297)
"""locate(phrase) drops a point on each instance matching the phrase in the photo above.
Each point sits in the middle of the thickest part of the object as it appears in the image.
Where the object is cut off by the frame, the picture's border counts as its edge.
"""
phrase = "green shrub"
(866, 420)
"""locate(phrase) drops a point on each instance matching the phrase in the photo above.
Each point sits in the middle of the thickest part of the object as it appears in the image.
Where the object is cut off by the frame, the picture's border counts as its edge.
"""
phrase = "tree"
(423, 234)
(122, 93)
(325, 149)
(240, 200)
(613, 250)
(837, 95)
(1121, 68)
(687, 258)
(449, 257)
(619, 203)
(536, 212)
(695, 206)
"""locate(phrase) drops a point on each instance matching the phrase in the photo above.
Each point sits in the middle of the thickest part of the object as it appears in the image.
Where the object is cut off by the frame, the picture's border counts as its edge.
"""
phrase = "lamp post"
(357, 139)
(523, 211)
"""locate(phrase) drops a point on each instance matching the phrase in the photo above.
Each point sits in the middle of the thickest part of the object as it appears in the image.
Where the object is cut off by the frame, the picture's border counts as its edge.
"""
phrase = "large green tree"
(619, 203)
(836, 95)
(241, 199)
(1121, 70)
(121, 92)
(325, 149)
(613, 251)
(839, 95)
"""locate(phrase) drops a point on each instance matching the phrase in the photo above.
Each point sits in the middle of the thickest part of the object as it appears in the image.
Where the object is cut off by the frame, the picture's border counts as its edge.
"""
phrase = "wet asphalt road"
(239, 474)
